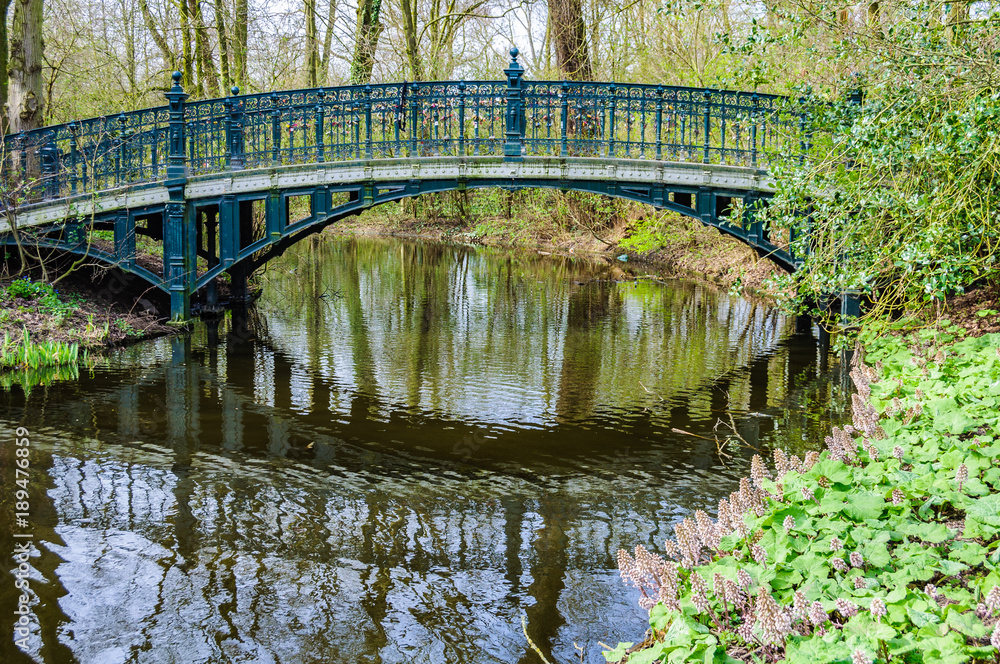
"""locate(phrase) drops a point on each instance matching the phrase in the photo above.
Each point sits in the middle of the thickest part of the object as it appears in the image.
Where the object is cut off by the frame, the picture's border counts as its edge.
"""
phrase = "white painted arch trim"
(621, 171)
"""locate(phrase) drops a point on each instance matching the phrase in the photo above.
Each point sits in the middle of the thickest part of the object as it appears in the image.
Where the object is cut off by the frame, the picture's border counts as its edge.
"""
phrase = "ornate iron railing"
(512, 118)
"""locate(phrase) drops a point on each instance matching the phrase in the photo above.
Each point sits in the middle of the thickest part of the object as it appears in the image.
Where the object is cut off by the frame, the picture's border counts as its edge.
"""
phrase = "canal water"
(403, 453)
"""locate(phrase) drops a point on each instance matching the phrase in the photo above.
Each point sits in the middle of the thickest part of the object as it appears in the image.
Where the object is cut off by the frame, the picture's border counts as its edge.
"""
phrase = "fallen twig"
(524, 628)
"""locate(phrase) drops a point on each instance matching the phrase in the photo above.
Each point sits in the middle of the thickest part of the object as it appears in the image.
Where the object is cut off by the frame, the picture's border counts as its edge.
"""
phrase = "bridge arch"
(194, 175)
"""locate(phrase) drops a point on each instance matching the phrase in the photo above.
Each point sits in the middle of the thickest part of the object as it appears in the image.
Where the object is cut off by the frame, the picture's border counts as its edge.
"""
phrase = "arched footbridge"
(227, 184)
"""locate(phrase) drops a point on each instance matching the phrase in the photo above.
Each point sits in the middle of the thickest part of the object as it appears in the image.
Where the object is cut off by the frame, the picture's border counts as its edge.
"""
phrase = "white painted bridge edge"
(620, 171)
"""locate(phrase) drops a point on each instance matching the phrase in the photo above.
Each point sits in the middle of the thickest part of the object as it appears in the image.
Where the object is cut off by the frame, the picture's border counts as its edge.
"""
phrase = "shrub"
(27, 289)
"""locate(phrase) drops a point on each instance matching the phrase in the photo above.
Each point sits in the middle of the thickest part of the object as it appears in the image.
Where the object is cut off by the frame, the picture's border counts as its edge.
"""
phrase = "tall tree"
(4, 48)
(366, 40)
(312, 44)
(328, 39)
(220, 27)
(409, 8)
(240, 43)
(25, 103)
(208, 81)
(187, 55)
(569, 33)
(169, 59)
(430, 49)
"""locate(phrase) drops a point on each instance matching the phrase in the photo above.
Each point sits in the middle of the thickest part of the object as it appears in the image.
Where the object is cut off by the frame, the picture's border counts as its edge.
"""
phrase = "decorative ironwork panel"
(419, 119)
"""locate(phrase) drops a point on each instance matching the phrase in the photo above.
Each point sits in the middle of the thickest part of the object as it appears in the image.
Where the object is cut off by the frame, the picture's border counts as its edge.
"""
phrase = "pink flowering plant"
(881, 548)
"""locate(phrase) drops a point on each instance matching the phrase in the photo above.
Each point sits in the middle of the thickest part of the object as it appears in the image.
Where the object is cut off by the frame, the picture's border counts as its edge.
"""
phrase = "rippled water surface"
(405, 451)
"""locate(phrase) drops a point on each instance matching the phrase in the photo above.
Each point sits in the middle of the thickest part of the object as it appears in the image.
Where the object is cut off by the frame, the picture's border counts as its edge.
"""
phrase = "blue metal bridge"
(227, 184)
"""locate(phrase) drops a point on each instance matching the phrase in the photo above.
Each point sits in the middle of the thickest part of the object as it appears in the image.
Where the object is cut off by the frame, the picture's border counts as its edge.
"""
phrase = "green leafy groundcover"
(884, 547)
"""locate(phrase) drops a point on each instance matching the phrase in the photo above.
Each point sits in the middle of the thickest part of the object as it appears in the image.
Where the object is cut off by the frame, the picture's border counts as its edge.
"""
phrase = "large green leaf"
(864, 505)
(986, 509)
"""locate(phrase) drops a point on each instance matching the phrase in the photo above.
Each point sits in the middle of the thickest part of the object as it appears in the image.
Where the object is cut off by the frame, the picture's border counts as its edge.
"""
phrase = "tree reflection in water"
(412, 447)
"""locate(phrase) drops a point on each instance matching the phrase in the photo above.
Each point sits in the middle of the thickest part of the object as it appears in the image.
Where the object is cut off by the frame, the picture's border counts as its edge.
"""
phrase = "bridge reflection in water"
(414, 446)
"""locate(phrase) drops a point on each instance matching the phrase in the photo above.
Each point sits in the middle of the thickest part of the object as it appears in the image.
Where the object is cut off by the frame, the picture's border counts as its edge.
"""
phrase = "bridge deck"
(387, 174)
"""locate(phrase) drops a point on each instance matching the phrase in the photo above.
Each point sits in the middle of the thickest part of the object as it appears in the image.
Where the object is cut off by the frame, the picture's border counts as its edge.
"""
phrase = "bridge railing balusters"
(707, 129)
(564, 118)
(319, 112)
(414, 110)
(461, 118)
(723, 119)
(452, 118)
(238, 138)
(73, 156)
(659, 123)
(612, 107)
(227, 105)
(368, 122)
(275, 114)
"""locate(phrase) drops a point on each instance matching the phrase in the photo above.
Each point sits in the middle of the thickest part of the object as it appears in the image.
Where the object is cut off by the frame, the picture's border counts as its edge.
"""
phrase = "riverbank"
(885, 546)
(563, 224)
(72, 313)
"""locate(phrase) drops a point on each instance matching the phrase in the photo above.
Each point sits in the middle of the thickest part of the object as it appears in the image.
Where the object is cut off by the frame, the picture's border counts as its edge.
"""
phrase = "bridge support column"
(238, 284)
(704, 205)
(320, 204)
(275, 209)
(751, 224)
(125, 239)
(178, 261)
(229, 230)
(211, 226)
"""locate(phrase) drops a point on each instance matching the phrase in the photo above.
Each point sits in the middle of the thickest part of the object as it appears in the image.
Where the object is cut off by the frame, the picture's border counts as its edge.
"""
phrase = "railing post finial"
(513, 146)
(177, 159)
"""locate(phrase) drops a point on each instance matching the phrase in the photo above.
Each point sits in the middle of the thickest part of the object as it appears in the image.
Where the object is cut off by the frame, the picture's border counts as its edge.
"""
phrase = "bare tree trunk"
(169, 59)
(328, 39)
(410, 33)
(547, 47)
(186, 50)
(366, 40)
(569, 35)
(25, 103)
(130, 59)
(312, 45)
(240, 47)
(220, 27)
(4, 49)
(207, 78)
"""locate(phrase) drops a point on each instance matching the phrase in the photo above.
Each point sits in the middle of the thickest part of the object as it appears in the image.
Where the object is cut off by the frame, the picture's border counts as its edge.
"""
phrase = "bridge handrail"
(507, 118)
